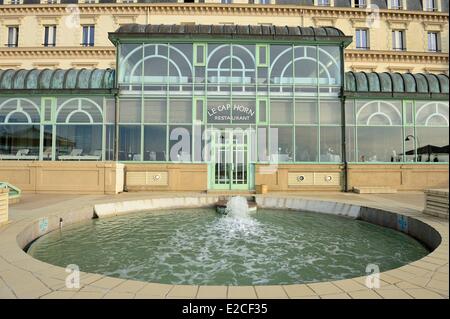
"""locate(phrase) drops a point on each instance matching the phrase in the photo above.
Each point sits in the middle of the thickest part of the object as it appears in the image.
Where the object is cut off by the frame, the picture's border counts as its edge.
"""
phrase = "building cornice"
(394, 56)
(58, 52)
(219, 9)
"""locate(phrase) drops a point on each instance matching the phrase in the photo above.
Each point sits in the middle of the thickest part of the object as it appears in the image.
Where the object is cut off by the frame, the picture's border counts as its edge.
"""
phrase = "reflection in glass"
(330, 112)
(155, 143)
(305, 66)
(130, 111)
(79, 142)
(306, 144)
(330, 144)
(130, 63)
(155, 111)
(351, 144)
(19, 142)
(281, 112)
(379, 144)
(180, 111)
(129, 143)
(47, 151)
(305, 112)
(329, 65)
(433, 145)
(110, 132)
(285, 152)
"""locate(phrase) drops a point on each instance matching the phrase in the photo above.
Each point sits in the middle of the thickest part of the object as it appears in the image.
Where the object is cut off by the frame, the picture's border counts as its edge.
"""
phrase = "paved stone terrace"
(21, 276)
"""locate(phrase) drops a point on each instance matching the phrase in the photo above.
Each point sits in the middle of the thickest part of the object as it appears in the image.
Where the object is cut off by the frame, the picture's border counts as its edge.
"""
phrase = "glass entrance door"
(230, 159)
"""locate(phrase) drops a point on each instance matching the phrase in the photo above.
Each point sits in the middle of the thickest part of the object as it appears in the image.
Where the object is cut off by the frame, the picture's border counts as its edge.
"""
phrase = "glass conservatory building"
(207, 107)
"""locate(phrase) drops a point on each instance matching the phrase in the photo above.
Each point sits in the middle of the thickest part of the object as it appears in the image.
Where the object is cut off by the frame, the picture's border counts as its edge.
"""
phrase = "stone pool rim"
(421, 228)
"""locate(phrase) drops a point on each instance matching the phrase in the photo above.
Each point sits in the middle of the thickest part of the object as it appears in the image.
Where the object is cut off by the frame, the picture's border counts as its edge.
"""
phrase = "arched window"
(379, 131)
(79, 110)
(231, 64)
(19, 129)
(19, 110)
(431, 131)
(79, 129)
(376, 113)
(302, 67)
(155, 63)
(432, 114)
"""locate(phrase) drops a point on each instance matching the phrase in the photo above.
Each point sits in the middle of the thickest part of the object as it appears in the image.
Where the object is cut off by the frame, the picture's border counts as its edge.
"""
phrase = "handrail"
(14, 191)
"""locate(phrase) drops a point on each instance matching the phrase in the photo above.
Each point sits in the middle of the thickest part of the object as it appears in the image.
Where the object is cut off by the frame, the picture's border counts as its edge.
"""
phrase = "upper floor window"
(264, 1)
(15, 2)
(88, 35)
(434, 42)
(360, 3)
(50, 35)
(396, 4)
(323, 2)
(13, 37)
(362, 39)
(398, 40)
(430, 5)
(52, 1)
(227, 1)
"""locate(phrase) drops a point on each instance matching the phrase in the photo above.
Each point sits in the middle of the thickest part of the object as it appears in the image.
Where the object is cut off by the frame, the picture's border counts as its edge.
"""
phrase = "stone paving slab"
(21, 276)
(212, 292)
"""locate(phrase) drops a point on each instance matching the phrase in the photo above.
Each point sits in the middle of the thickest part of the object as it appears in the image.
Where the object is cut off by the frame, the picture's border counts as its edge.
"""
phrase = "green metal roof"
(57, 79)
(395, 84)
(220, 31)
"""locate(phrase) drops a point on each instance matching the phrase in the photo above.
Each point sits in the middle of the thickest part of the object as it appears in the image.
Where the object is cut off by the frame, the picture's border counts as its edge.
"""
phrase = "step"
(374, 190)
(437, 214)
(436, 203)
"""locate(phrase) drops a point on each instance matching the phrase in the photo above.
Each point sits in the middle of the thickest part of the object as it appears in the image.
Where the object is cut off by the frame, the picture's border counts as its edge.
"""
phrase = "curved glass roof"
(425, 83)
(230, 31)
(59, 79)
(360, 83)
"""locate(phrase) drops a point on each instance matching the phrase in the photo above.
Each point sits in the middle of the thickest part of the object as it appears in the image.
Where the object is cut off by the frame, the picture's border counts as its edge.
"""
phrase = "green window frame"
(198, 103)
(259, 112)
(262, 62)
(48, 107)
(408, 104)
(202, 47)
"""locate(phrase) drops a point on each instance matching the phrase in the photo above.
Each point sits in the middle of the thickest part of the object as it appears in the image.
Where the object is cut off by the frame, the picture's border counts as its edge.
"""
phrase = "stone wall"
(327, 177)
(168, 177)
(64, 177)
(110, 177)
(298, 177)
(403, 177)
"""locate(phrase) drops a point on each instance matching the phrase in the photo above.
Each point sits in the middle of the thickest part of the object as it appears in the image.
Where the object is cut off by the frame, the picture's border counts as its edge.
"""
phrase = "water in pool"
(199, 246)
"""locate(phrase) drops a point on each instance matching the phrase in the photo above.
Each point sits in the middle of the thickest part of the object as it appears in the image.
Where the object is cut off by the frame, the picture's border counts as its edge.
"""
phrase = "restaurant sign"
(231, 113)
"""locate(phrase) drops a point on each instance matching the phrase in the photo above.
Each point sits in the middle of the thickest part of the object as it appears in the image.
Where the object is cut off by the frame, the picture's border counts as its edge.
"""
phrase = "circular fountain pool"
(199, 246)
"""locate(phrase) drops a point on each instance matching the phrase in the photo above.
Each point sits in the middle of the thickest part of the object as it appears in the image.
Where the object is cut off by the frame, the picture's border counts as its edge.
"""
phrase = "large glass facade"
(176, 99)
(397, 131)
(57, 128)
(286, 94)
